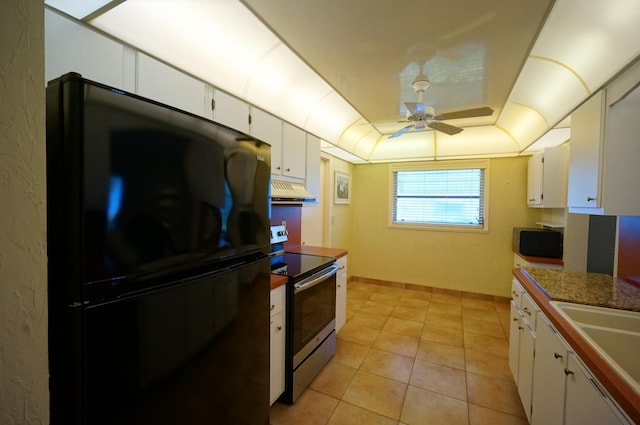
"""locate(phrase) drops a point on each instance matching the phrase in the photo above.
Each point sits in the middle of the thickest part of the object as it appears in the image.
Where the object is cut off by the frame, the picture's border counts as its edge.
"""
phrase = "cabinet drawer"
(516, 293)
(278, 297)
(529, 310)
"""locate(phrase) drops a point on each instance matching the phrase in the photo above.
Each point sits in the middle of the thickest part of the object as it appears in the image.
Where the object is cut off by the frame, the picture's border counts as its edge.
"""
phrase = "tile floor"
(413, 357)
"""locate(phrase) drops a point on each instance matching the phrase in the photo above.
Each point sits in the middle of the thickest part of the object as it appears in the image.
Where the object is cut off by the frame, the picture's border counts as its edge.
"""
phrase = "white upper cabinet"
(163, 83)
(587, 135)
(547, 178)
(72, 47)
(230, 111)
(604, 154)
(294, 147)
(268, 128)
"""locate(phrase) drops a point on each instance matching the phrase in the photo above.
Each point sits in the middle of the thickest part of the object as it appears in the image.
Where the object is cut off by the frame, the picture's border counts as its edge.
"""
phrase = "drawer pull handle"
(590, 198)
(520, 327)
(568, 372)
(273, 306)
(526, 310)
(557, 356)
(279, 328)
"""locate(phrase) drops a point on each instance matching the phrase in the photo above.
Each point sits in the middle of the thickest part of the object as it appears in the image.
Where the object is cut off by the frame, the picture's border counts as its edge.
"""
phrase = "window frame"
(440, 165)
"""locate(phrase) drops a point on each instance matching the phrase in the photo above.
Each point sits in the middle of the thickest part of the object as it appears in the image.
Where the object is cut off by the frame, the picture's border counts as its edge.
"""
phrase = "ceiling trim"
(568, 68)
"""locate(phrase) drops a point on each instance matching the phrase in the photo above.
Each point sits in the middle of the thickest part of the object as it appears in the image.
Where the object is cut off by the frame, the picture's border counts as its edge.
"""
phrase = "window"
(441, 195)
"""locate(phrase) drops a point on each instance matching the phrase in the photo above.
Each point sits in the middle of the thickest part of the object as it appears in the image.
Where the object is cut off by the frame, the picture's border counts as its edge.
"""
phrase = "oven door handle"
(312, 281)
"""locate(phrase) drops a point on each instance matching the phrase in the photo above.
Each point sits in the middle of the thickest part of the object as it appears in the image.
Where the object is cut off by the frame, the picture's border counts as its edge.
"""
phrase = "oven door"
(314, 312)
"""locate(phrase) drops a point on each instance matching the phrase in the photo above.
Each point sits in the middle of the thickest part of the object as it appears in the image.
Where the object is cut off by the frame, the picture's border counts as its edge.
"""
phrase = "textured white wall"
(24, 394)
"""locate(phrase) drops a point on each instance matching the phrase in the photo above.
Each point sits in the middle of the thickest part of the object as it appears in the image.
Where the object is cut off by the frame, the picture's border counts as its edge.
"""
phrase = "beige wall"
(476, 262)
(24, 395)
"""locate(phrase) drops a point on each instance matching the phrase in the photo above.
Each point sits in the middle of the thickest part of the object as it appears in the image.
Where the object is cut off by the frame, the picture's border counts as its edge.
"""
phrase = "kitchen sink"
(613, 333)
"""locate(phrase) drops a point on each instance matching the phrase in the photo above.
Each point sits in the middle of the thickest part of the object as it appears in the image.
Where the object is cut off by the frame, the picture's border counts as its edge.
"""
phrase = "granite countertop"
(586, 288)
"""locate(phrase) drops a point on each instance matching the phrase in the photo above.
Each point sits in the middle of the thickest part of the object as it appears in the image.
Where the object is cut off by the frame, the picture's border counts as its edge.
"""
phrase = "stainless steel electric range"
(310, 313)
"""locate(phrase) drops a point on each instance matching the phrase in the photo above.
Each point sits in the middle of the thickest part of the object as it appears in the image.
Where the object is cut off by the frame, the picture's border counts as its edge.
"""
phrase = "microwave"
(537, 242)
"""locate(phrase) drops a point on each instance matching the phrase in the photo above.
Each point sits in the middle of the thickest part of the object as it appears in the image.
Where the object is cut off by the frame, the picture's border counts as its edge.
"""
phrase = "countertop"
(586, 288)
(315, 250)
(278, 280)
(545, 285)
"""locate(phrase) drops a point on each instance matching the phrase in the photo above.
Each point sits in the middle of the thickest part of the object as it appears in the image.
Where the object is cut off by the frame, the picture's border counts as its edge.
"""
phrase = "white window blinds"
(453, 197)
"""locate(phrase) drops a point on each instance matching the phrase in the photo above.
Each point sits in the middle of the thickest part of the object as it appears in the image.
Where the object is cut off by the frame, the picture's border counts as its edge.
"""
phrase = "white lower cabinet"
(555, 387)
(586, 402)
(277, 340)
(521, 344)
(341, 293)
(551, 353)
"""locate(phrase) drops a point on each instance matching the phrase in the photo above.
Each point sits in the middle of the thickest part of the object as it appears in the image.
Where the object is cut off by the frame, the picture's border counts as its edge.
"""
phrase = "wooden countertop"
(278, 280)
(315, 250)
(545, 285)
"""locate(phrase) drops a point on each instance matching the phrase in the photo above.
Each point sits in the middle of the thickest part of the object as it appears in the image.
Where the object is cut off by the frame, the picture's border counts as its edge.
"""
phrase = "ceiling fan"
(420, 116)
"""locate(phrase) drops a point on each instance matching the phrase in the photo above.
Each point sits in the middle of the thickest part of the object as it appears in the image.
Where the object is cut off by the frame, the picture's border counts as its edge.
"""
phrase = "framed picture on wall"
(342, 188)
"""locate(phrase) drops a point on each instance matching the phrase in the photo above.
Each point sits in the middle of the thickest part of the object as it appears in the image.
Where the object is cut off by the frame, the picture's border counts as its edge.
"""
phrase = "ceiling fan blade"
(466, 113)
(414, 108)
(401, 131)
(445, 128)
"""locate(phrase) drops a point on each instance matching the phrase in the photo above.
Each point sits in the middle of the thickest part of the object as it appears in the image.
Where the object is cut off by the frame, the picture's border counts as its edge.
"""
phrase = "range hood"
(283, 192)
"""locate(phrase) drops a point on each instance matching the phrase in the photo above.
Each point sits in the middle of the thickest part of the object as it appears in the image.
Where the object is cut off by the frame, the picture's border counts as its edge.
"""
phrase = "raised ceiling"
(343, 69)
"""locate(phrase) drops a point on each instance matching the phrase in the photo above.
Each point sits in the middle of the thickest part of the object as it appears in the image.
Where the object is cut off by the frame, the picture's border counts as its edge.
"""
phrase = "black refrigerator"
(158, 236)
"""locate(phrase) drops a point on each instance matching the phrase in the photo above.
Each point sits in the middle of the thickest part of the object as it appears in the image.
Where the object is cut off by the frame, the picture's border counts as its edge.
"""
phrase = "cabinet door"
(585, 153)
(514, 340)
(294, 144)
(341, 293)
(231, 111)
(276, 370)
(268, 128)
(547, 399)
(586, 402)
(166, 84)
(534, 179)
(525, 366)
(71, 47)
(277, 343)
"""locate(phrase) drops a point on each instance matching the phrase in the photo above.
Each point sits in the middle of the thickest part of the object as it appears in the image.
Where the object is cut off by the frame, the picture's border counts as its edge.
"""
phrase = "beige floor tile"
(409, 313)
(440, 379)
(414, 303)
(312, 408)
(380, 395)
(348, 414)
(480, 314)
(333, 379)
(350, 353)
(445, 298)
(389, 365)
(386, 299)
(486, 344)
(396, 343)
(371, 320)
(445, 308)
(358, 294)
(488, 364)
(443, 335)
(376, 308)
(422, 407)
(480, 304)
(358, 333)
(483, 328)
(445, 320)
(417, 295)
(447, 355)
(493, 393)
(479, 415)
(403, 327)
